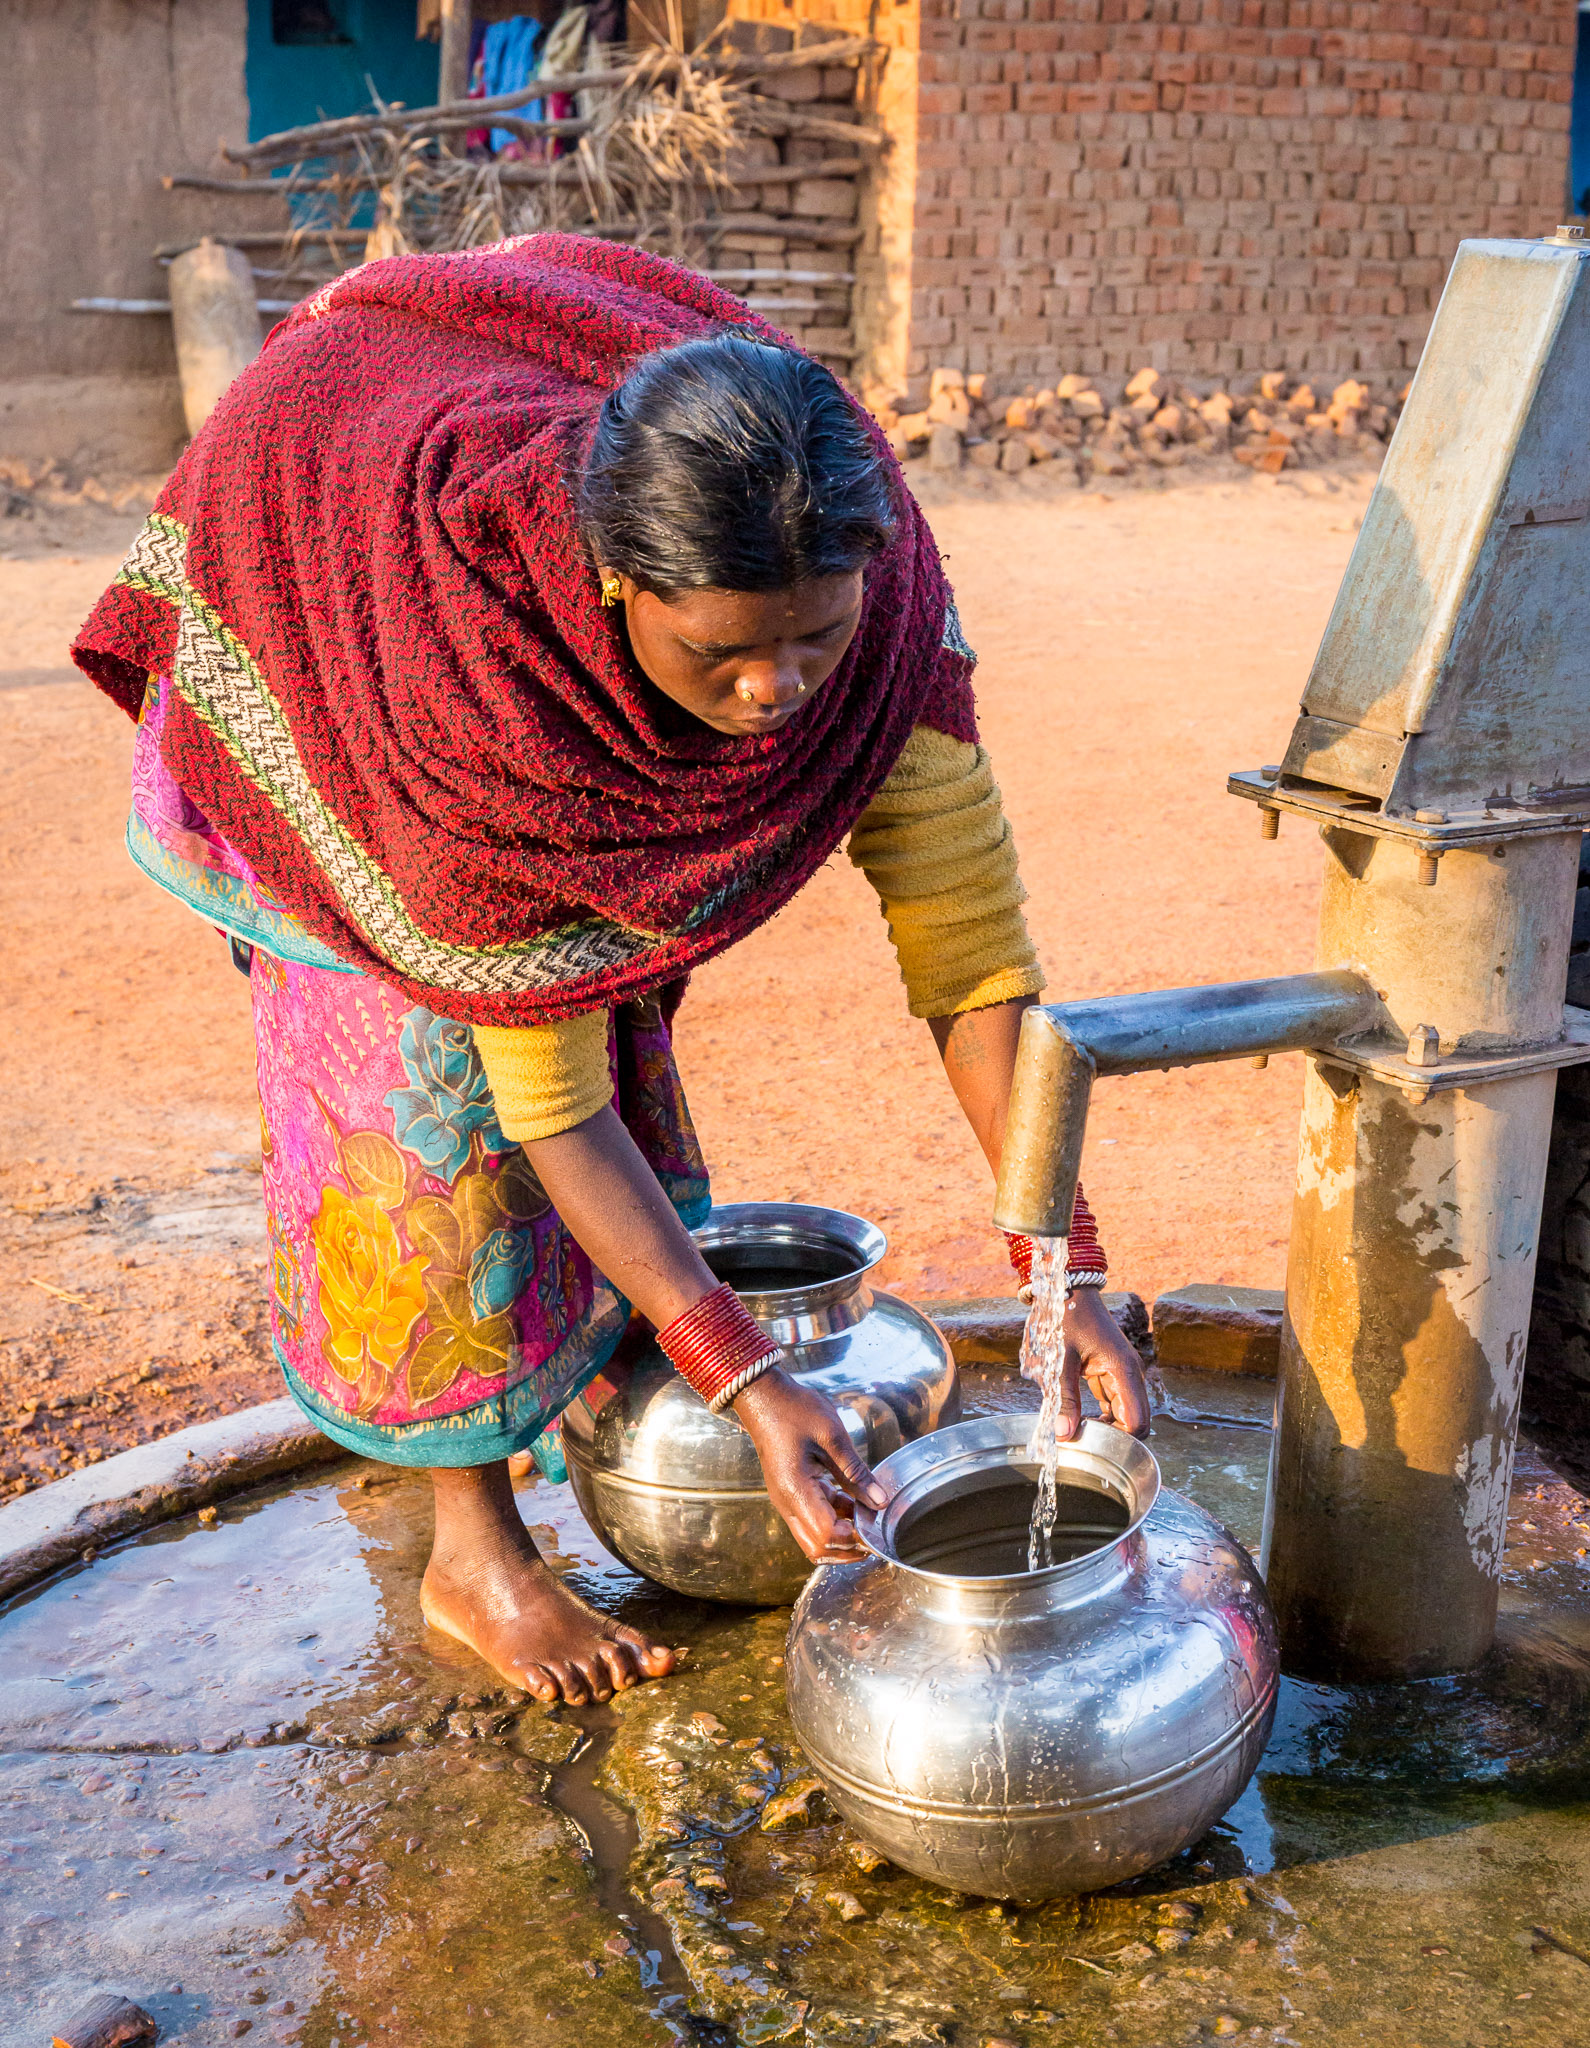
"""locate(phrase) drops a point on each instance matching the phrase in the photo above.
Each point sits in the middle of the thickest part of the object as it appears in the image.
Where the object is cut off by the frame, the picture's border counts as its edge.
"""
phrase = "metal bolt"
(1261, 1059)
(1424, 1046)
(1429, 817)
(1428, 863)
(1570, 233)
(1271, 771)
(1269, 822)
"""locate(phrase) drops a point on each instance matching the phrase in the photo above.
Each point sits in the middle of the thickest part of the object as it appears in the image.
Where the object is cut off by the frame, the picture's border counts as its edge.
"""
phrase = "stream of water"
(1043, 1350)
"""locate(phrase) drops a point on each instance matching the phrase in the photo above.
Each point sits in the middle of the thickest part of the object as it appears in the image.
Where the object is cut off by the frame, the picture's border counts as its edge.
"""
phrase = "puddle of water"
(275, 1788)
(609, 1838)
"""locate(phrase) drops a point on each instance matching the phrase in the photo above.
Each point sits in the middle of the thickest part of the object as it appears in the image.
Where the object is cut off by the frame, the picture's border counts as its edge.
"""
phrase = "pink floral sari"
(428, 1306)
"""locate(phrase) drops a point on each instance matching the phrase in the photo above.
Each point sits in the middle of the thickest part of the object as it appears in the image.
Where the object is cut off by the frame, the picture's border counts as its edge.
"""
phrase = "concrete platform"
(240, 1782)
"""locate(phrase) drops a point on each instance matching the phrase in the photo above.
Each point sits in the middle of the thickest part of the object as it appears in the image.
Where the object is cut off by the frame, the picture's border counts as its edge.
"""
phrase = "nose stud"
(747, 692)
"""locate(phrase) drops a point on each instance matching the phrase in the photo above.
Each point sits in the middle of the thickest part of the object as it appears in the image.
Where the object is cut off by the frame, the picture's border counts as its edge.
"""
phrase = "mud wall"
(99, 98)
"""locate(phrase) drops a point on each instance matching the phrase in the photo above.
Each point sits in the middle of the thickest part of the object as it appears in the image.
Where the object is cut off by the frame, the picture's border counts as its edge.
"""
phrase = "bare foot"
(487, 1586)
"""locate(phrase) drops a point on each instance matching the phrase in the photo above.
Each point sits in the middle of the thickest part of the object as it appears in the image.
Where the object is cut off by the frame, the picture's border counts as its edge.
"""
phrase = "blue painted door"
(312, 60)
(1579, 135)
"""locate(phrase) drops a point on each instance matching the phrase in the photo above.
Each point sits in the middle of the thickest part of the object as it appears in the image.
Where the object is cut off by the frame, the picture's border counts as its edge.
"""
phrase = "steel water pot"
(1024, 1734)
(677, 1491)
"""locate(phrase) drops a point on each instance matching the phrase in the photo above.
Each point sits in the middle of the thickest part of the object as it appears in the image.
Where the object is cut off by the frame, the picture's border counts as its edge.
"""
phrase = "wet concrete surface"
(240, 1782)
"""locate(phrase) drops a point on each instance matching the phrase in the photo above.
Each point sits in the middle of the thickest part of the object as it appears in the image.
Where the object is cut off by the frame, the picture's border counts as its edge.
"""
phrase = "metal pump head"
(1453, 680)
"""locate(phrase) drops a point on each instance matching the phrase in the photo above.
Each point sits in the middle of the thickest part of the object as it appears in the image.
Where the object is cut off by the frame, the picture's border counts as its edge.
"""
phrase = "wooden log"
(316, 136)
(779, 224)
(789, 174)
(458, 18)
(440, 124)
(263, 188)
(215, 323)
(107, 2021)
(833, 277)
(772, 117)
(564, 171)
(271, 238)
(164, 305)
(253, 188)
(841, 50)
(742, 224)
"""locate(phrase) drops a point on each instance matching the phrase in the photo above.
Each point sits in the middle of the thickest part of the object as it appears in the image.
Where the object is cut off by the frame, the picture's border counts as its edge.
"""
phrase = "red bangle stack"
(718, 1348)
(1086, 1265)
(1020, 1250)
(1084, 1253)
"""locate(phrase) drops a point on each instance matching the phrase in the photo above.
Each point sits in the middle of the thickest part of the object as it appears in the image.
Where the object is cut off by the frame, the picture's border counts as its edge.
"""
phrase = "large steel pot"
(1023, 1734)
(676, 1491)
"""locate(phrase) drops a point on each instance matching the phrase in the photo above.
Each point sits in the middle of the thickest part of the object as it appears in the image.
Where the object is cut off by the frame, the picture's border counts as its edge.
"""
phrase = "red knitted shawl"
(396, 691)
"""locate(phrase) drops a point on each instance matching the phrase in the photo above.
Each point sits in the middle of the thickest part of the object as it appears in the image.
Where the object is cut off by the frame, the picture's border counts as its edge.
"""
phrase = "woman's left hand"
(809, 1463)
(1097, 1351)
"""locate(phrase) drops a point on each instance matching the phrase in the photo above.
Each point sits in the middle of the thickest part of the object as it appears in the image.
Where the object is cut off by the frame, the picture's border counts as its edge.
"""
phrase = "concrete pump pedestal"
(1412, 1263)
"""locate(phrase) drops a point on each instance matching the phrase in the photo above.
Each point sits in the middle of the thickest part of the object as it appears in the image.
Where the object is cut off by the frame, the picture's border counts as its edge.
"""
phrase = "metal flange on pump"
(1443, 750)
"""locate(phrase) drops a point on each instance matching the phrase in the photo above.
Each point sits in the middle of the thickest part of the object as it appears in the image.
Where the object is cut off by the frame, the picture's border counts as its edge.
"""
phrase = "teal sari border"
(494, 1428)
(691, 1197)
(228, 902)
(508, 1422)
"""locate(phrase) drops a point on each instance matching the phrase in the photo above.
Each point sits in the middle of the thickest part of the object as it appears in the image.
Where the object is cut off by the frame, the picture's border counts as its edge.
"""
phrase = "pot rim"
(806, 1225)
(909, 1474)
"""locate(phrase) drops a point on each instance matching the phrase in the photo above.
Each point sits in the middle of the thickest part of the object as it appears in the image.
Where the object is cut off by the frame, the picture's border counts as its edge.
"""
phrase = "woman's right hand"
(809, 1463)
(610, 1199)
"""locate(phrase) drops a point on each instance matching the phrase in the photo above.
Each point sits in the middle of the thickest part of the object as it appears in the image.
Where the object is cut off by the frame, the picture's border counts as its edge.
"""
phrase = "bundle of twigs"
(648, 155)
(650, 161)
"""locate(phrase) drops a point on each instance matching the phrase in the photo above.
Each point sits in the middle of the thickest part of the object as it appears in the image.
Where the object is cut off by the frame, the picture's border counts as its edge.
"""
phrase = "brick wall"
(881, 263)
(1214, 186)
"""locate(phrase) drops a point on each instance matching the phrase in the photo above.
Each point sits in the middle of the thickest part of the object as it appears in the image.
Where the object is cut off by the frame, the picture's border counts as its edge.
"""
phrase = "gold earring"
(612, 590)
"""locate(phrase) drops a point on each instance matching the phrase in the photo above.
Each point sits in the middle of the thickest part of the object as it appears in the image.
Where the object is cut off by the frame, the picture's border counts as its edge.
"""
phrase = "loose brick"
(825, 198)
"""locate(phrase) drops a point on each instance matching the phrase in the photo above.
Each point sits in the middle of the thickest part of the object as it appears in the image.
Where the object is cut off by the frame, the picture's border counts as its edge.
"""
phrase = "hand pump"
(1443, 750)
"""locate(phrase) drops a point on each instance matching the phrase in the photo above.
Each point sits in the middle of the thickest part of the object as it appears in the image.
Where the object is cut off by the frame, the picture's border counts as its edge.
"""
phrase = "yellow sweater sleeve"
(937, 847)
(546, 1078)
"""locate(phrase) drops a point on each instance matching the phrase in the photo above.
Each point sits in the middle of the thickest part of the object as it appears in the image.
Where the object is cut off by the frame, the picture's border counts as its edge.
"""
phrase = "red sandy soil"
(1134, 648)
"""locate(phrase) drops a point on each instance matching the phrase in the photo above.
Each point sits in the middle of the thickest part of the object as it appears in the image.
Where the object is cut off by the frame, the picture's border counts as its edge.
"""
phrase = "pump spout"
(1064, 1045)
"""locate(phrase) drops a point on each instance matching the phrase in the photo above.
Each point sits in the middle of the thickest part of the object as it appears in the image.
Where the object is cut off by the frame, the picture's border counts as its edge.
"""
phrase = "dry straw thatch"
(653, 140)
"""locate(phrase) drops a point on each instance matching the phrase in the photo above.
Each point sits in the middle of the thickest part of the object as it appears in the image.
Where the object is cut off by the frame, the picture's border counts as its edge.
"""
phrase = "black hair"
(729, 463)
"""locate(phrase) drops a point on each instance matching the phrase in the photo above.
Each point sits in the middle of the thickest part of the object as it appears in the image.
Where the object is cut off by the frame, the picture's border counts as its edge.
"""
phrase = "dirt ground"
(1134, 648)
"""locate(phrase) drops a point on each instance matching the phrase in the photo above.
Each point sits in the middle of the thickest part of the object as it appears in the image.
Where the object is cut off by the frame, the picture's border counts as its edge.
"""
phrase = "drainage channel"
(609, 1840)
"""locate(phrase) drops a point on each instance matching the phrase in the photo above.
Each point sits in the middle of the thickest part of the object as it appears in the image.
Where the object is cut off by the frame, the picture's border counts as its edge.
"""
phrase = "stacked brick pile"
(1219, 185)
(796, 201)
(1079, 427)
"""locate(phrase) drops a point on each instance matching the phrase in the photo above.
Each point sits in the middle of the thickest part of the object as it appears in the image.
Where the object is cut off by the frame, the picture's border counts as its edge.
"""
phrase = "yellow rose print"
(370, 1297)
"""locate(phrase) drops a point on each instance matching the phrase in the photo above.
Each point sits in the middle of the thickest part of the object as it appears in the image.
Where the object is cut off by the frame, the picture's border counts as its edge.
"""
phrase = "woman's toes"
(620, 1665)
(570, 1683)
(592, 1674)
(540, 1682)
